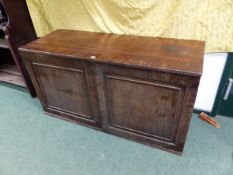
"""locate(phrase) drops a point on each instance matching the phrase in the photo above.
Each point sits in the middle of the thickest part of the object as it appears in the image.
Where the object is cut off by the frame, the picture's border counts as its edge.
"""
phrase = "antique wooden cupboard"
(140, 88)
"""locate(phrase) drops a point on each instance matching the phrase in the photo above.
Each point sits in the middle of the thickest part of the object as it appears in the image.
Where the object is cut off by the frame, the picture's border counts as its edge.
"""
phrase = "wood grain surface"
(171, 55)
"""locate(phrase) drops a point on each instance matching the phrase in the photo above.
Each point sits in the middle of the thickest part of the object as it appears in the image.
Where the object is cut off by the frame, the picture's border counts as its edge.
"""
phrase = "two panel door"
(147, 106)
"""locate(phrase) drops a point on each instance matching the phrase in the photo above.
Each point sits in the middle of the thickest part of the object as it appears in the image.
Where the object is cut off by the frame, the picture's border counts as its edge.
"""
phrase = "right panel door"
(146, 106)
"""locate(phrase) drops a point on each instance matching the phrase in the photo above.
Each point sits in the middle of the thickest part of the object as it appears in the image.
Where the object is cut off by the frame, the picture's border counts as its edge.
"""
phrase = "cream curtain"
(209, 20)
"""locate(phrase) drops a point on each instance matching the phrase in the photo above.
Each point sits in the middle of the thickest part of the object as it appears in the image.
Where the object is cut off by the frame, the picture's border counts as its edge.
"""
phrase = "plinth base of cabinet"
(99, 129)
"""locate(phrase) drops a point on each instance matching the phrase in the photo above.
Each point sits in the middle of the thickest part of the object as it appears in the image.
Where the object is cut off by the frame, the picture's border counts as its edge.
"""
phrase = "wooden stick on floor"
(208, 119)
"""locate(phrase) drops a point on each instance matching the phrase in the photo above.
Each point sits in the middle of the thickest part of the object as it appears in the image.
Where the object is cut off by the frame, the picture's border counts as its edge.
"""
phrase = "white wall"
(212, 73)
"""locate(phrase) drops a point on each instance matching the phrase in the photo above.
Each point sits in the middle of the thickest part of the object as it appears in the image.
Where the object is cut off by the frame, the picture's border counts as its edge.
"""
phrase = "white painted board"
(213, 67)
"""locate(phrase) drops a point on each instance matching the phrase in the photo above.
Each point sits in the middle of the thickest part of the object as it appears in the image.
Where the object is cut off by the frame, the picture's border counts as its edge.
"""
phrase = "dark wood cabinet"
(139, 88)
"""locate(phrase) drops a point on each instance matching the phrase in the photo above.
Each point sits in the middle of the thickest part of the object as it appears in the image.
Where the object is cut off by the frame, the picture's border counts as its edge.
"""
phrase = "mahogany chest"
(139, 88)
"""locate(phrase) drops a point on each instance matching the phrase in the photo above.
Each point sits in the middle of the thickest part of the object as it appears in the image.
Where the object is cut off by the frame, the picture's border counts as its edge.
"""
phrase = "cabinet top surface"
(178, 56)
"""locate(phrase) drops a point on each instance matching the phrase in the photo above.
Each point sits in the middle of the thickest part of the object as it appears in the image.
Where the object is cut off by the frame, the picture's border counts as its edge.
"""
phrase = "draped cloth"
(209, 20)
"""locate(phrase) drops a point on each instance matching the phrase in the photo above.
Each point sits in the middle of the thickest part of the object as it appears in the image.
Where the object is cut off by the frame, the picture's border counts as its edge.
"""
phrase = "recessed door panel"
(146, 108)
(143, 107)
(64, 88)
(68, 90)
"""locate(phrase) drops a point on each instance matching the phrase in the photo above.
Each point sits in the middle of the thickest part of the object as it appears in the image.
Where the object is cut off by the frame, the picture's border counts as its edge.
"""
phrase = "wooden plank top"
(171, 55)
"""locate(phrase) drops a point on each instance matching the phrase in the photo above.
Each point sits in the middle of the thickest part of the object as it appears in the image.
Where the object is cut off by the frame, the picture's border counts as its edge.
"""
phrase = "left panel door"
(65, 87)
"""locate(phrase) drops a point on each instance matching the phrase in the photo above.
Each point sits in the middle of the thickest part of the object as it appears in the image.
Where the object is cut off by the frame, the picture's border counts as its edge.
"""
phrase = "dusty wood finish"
(139, 88)
(10, 69)
(10, 74)
(170, 55)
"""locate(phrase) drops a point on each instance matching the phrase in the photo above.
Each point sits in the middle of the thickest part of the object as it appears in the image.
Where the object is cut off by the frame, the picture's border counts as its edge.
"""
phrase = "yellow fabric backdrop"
(209, 20)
